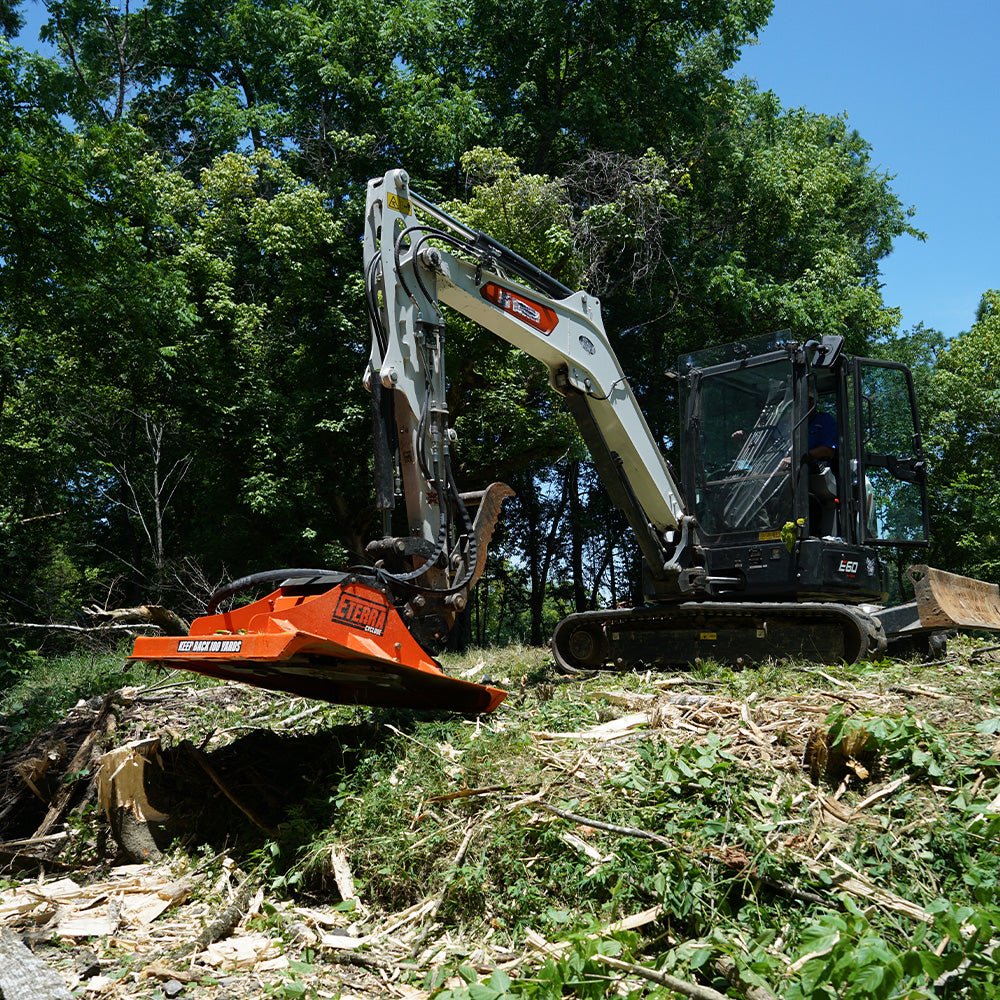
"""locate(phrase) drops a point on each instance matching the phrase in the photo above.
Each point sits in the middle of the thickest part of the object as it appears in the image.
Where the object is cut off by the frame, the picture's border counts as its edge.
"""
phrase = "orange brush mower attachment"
(346, 644)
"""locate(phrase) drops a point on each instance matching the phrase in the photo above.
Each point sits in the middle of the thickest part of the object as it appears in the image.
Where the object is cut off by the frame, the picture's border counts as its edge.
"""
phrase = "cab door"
(890, 472)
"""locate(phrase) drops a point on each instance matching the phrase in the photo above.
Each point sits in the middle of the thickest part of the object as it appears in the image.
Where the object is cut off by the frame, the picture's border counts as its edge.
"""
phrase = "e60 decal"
(849, 567)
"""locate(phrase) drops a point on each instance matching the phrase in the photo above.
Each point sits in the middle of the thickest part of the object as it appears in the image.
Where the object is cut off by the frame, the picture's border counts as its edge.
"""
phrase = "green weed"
(41, 690)
(905, 742)
(843, 956)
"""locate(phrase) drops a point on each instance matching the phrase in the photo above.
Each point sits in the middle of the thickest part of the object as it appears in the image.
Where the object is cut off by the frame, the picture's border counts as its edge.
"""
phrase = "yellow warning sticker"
(401, 205)
(707, 635)
(769, 536)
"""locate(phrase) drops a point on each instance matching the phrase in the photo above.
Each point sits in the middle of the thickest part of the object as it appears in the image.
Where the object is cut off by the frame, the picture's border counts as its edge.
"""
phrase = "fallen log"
(80, 760)
(169, 622)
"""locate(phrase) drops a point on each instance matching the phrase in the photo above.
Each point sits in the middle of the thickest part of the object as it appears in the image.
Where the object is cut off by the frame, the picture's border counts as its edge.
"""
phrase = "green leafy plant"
(904, 742)
(842, 956)
(495, 987)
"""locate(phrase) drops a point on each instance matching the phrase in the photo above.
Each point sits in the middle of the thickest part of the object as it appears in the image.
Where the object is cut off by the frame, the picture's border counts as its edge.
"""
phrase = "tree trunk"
(541, 561)
(576, 531)
(460, 636)
(535, 559)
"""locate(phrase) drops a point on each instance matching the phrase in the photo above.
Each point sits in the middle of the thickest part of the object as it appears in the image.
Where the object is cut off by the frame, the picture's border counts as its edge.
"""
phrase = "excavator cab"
(799, 461)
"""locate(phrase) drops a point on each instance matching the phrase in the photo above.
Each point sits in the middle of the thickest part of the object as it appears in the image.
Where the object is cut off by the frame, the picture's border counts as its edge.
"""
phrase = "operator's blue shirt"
(822, 430)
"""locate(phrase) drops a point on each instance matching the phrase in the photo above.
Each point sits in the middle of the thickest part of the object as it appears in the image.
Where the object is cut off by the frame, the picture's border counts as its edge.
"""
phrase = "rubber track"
(863, 636)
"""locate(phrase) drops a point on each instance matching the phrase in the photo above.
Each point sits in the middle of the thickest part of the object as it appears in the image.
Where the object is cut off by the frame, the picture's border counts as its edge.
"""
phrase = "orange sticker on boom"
(534, 314)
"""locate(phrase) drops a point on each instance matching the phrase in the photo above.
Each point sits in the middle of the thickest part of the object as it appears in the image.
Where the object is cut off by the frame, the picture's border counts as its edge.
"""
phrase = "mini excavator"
(800, 464)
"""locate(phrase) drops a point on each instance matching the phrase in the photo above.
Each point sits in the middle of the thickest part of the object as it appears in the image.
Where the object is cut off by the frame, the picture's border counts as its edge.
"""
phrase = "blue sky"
(919, 80)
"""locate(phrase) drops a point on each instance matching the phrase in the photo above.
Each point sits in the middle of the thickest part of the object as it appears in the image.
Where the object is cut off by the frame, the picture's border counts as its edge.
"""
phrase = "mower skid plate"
(346, 645)
(946, 600)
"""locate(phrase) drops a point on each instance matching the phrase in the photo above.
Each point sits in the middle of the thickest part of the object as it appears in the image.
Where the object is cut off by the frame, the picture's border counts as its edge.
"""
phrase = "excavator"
(800, 464)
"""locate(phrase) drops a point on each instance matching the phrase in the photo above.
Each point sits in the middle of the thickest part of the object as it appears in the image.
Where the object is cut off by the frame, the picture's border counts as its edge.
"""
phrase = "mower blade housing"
(346, 645)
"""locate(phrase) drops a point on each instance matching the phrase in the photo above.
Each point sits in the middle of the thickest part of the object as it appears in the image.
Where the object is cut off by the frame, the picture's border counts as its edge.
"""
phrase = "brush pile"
(782, 832)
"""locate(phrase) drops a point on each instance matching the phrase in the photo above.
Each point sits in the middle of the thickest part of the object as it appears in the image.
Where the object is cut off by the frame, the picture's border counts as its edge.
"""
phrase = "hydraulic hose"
(267, 576)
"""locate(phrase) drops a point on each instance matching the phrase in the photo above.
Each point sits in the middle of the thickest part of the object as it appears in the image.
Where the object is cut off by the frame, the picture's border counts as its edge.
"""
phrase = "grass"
(36, 691)
(875, 877)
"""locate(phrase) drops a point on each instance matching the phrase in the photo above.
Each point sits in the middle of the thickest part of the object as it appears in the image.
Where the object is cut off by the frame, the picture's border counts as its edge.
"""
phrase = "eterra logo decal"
(209, 645)
(360, 613)
(536, 315)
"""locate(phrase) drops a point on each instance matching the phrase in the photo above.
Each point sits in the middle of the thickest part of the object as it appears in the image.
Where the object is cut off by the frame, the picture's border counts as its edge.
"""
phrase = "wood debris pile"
(169, 921)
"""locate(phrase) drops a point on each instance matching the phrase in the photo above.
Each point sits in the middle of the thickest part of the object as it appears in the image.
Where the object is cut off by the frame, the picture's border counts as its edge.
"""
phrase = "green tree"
(560, 78)
(179, 275)
(963, 396)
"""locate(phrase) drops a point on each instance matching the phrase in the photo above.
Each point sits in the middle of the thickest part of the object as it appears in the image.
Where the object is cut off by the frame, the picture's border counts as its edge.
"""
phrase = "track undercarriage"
(739, 633)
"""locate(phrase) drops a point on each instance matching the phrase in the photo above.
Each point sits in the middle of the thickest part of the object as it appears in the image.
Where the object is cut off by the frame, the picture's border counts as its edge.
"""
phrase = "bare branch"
(625, 204)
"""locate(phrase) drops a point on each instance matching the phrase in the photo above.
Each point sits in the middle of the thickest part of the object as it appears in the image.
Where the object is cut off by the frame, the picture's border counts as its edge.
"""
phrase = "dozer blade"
(946, 600)
(346, 645)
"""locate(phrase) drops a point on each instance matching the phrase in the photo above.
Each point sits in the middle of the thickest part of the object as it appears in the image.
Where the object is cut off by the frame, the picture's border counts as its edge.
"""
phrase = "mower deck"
(346, 645)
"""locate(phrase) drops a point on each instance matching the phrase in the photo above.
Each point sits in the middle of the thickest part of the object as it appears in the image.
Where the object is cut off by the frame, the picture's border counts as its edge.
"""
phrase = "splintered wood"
(121, 780)
(129, 901)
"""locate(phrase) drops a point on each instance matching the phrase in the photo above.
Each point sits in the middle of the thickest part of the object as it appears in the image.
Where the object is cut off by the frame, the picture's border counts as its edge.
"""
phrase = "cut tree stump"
(24, 976)
(121, 792)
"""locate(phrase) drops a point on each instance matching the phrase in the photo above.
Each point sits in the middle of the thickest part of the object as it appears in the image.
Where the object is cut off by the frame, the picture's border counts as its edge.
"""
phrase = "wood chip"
(881, 793)
(344, 878)
(579, 844)
(240, 952)
(606, 731)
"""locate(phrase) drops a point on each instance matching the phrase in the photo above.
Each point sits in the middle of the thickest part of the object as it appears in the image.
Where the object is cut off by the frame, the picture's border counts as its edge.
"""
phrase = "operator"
(822, 444)
(822, 436)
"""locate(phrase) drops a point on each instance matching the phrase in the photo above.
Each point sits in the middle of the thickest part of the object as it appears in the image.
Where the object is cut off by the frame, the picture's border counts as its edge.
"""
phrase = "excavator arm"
(415, 265)
(360, 636)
